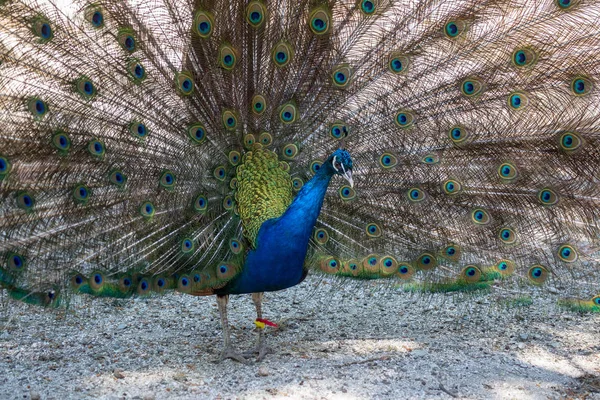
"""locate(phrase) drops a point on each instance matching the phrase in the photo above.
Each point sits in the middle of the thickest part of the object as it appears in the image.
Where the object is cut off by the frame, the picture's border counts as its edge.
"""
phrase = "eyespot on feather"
(508, 236)
(127, 40)
(256, 13)
(388, 160)
(203, 24)
(234, 157)
(197, 133)
(167, 179)
(230, 120)
(228, 203)
(187, 245)
(297, 184)
(81, 194)
(373, 230)
(42, 28)
(415, 195)
(581, 86)
(96, 148)
(341, 76)
(37, 107)
(524, 57)
(184, 284)
(451, 187)
(136, 70)
(537, 274)
(548, 197)
(398, 63)
(508, 172)
(282, 54)
(235, 246)
(505, 267)
(15, 262)
(227, 57)
(200, 204)
(25, 201)
(480, 217)
(347, 193)
(147, 209)
(96, 280)
(518, 100)
(259, 104)
(389, 266)
(5, 166)
(329, 265)
(95, 16)
(288, 113)
(570, 142)
(338, 130)
(184, 83)
(352, 267)
(226, 271)
(404, 119)
(265, 139)
(405, 271)
(371, 264)
(321, 236)
(315, 166)
(290, 151)
(368, 7)
(451, 252)
(426, 261)
(85, 87)
(567, 253)
(78, 281)
(471, 87)
(144, 286)
(249, 141)
(319, 21)
(471, 274)
(453, 29)
(219, 173)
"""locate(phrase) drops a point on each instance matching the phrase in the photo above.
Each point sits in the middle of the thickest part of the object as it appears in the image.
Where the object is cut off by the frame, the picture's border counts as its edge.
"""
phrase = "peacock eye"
(337, 165)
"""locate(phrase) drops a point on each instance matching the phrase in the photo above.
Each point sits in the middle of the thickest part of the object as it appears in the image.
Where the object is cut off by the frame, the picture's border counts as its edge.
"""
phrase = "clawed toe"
(261, 352)
(232, 355)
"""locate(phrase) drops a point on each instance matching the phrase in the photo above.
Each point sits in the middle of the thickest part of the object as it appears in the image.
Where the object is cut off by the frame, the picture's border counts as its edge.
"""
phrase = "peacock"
(217, 147)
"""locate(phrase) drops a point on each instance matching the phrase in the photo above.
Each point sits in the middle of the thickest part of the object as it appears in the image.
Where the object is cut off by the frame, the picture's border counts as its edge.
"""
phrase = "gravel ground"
(350, 342)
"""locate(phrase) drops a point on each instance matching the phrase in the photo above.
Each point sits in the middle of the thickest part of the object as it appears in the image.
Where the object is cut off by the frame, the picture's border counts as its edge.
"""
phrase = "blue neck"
(282, 243)
(302, 214)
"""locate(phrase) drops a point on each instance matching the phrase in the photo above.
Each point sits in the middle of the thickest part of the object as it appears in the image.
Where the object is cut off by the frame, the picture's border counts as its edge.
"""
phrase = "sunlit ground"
(335, 342)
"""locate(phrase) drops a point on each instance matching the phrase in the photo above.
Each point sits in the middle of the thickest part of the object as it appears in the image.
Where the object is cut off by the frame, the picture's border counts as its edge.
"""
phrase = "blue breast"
(281, 245)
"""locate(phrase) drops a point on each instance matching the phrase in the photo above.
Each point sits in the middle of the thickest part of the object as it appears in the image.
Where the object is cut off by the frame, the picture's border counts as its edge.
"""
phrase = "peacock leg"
(261, 349)
(228, 351)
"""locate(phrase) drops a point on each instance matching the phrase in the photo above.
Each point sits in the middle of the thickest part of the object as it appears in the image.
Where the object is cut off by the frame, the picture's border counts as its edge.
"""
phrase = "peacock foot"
(262, 350)
(229, 352)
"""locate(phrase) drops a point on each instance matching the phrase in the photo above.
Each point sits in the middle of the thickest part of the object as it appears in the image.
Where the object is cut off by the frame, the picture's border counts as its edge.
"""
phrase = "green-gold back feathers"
(143, 145)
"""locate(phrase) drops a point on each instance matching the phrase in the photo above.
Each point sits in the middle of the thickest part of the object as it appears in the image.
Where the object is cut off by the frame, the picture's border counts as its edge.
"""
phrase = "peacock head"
(341, 164)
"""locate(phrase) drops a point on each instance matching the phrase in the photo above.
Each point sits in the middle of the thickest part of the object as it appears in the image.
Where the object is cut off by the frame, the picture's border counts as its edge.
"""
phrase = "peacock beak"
(348, 176)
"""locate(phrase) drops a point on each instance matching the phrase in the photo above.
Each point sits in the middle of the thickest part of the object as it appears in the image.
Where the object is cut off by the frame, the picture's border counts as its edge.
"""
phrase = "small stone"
(344, 390)
(121, 327)
(521, 346)
(149, 396)
(117, 373)
(262, 371)
(552, 290)
(418, 353)
(386, 382)
(35, 396)
(523, 336)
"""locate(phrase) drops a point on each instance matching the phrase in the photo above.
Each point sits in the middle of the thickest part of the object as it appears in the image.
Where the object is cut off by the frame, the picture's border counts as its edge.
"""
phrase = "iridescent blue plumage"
(278, 260)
